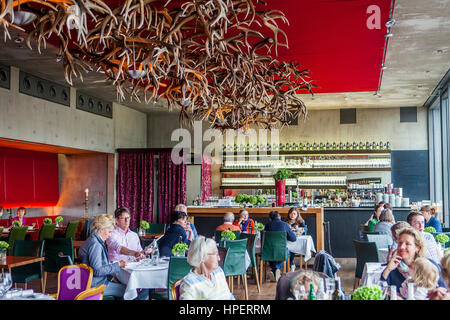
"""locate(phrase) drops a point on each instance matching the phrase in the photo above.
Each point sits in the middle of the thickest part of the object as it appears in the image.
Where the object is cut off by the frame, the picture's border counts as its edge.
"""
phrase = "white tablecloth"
(136, 275)
(35, 296)
(371, 273)
(303, 245)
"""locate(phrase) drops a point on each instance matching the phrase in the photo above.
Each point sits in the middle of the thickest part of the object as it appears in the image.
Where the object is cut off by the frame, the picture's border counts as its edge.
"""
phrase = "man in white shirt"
(417, 221)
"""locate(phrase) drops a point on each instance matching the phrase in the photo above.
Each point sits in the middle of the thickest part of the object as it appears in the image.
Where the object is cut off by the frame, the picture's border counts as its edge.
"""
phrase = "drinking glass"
(384, 287)
(300, 292)
(329, 285)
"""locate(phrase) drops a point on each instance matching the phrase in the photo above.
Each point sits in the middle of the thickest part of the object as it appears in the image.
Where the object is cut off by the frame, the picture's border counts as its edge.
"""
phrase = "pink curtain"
(171, 186)
(206, 178)
(135, 185)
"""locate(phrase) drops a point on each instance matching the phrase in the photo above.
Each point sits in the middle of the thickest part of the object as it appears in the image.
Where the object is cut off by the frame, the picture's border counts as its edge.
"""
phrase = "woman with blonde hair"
(425, 277)
(206, 281)
(94, 253)
(441, 293)
(411, 245)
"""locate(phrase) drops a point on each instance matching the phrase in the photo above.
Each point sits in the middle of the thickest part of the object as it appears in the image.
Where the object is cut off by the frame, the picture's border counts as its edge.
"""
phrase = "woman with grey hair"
(94, 253)
(206, 281)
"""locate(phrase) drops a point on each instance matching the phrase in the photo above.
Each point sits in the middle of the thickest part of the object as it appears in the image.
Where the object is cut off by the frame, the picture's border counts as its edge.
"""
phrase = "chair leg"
(239, 281)
(301, 262)
(25, 286)
(261, 272)
(284, 267)
(288, 267)
(306, 265)
(232, 284)
(244, 281)
(44, 282)
(257, 280)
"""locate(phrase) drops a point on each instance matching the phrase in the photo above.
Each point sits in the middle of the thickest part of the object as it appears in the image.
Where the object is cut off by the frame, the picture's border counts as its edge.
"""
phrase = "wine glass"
(5, 283)
(384, 288)
(330, 286)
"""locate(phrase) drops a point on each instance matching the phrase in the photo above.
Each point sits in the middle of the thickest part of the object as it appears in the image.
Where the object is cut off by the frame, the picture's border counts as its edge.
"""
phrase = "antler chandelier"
(210, 58)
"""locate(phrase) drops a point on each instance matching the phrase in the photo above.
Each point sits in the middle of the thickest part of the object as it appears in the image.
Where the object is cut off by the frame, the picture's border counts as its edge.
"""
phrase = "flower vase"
(180, 254)
(3, 255)
(280, 192)
(141, 231)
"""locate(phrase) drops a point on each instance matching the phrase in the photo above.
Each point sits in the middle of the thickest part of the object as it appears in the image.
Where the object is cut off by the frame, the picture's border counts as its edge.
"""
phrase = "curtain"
(171, 186)
(206, 178)
(135, 185)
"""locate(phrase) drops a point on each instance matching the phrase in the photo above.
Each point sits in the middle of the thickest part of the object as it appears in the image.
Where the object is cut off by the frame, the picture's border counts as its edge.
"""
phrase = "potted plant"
(3, 248)
(59, 221)
(430, 229)
(260, 199)
(179, 249)
(242, 199)
(280, 185)
(47, 221)
(253, 200)
(144, 225)
(228, 235)
(259, 226)
(17, 223)
(372, 292)
(442, 238)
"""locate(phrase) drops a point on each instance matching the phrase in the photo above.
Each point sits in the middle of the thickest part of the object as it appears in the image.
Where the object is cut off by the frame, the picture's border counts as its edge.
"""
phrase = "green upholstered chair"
(47, 231)
(54, 250)
(87, 228)
(365, 252)
(156, 228)
(234, 264)
(219, 235)
(382, 240)
(273, 248)
(251, 249)
(16, 233)
(71, 229)
(25, 274)
(363, 235)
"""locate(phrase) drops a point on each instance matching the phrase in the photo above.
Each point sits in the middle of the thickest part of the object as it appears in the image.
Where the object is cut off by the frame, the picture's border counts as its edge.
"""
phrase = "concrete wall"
(27, 118)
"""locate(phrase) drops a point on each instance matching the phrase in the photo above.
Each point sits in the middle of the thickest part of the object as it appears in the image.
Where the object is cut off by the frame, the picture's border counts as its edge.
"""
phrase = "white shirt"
(431, 248)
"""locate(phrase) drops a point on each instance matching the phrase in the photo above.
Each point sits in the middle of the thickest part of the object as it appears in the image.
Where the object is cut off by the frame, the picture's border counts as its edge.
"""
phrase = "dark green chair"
(157, 228)
(71, 229)
(25, 274)
(365, 252)
(234, 264)
(54, 250)
(382, 240)
(47, 231)
(363, 235)
(178, 268)
(273, 248)
(219, 235)
(445, 229)
(16, 233)
(251, 249)
(87, 228)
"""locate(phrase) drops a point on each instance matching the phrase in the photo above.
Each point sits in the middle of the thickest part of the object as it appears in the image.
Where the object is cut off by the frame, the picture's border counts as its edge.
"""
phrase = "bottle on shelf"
(248, 147)
(367, 145)
(337, 294)
(355, 145)
(388, 145)
(374, 146)
(361, 145)
(262, 147)
(311, 294)
(341, 145)
(288, 146)
(380, 146)
(315, 145)
(294, 147)
(347, 146)
(334, 145)
(321, 145)
(269, 148)
(275, 147)
(235, 148)
(308, 146)
(281, 147)
(327, 146)
(300, 146)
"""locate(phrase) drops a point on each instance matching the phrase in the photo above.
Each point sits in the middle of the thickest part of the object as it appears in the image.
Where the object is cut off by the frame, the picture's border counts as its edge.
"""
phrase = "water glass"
(329, 285)
(300, 292)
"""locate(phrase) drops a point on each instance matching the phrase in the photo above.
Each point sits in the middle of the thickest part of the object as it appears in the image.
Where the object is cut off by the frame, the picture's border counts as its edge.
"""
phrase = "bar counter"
(344, 223)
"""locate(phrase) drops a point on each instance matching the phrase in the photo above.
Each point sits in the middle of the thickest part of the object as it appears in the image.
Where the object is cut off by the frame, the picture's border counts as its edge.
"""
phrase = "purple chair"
(72, 280)
(95, 293)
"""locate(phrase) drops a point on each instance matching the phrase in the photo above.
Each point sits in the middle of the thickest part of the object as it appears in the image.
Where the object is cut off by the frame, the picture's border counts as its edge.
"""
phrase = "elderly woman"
(94, 253)
(206, 281)
(174, 234)
(385, 223)
(410, 246)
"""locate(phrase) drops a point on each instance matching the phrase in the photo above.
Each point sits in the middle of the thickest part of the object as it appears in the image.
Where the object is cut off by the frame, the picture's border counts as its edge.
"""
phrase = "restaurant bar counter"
(344, 223)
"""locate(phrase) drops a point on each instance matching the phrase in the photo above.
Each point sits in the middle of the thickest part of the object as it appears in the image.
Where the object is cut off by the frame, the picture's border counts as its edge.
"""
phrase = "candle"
(86, 192)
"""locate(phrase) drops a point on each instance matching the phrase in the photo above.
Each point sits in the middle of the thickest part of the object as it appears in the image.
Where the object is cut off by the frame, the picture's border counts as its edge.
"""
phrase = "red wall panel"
(28, 178)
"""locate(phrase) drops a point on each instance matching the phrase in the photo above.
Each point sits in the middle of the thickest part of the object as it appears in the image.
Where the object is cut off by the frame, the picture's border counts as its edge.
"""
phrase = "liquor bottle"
(248, 147)
(255, 147)
(341, 146)
(355, 146)
(288, 146)
(224, 148)
(269, 148)
(347, 146)
(235, 148)
(315, 146)
(308, 146)
(337, 294)
(300, 146)
(281, 147)
(327, 146)
(388, 145)
(361, 145)
(367, 145)
(334, 145)
(262, 147)
(374, 146)
(311, 295)
(275, 147)
(294, 147)
(380, 146)
(321, 146)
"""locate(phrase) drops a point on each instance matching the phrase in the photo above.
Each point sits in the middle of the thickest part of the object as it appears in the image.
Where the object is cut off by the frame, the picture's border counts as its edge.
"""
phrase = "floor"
(267, 290)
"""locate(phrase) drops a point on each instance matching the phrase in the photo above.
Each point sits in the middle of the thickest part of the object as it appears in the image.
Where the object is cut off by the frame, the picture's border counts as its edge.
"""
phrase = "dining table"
(371, 273)
(304, 245)
(20, 294)
(143, 275)
(17, 261)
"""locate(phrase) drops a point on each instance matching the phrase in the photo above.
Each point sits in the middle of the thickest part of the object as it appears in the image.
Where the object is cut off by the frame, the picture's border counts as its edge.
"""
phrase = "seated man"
(189, 226)
(124, 244)
(430, 219)
(417, 221)
(276, 224)
(228, 220)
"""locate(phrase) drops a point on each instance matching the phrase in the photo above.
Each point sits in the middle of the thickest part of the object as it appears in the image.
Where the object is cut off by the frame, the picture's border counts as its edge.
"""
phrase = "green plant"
(4, 245)
(260, 199)
(17, 223)
(241, 198)
(228, 235)
(282, 174)
(47, 221)
(294, 194)
(144, 224)
(253, 200)
(430, 229)
(442, 238)
(59, 219)
(179, 249)
(368, 293)
(259, 226)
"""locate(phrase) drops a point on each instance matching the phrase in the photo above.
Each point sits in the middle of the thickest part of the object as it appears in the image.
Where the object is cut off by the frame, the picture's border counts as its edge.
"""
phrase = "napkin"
(21, 293)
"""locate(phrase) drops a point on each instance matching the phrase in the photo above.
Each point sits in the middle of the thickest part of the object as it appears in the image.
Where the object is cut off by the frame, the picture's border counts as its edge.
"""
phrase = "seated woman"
(206, 281)
(425, 277)
(385, 223)
(296, 223)
(21, 212)
(411, 245)
(245, 223)
(94, 253)
(441, 293)
(375, 217)
(174, 234)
